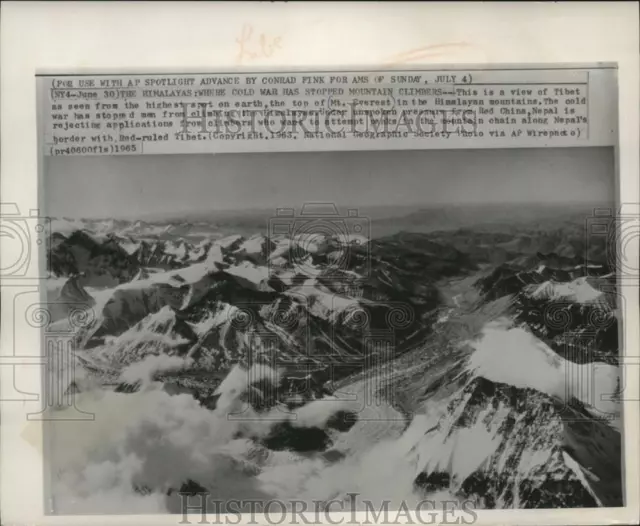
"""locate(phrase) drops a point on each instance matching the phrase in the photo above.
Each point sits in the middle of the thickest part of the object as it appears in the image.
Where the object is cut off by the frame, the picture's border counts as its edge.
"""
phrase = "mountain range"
(482, 359)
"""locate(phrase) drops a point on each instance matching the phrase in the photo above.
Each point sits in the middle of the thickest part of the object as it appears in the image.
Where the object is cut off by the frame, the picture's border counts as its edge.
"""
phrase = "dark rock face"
(539, 457)
(342, 420)
(579, 333)
(581, 330)
(192, 489)
(432, 482)
(95, 258)
(285, 436)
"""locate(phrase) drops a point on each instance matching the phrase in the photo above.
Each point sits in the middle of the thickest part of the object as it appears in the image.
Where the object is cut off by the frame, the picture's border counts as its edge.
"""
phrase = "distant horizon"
(341, 208)
(166, 186)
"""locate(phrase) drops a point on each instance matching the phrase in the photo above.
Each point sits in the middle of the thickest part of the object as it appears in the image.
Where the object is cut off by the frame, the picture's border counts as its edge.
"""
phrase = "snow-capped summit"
(322, 302)
(255, 249)
(229, 242)
(255, 276)
(578, 291)
(514, 356)
(178, 249)
(129, 245)
(66, 226)
(313, 242)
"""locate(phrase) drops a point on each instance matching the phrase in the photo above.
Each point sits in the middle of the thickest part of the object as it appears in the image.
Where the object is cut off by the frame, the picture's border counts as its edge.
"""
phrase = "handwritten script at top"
(254, 47)
(425, 52)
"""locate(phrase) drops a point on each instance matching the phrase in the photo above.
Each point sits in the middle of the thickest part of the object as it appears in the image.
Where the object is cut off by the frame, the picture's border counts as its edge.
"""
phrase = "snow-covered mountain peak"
(578, 290)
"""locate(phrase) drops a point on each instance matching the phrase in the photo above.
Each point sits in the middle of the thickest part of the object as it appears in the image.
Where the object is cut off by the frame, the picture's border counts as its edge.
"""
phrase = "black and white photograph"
(357, 330)
(315, 264)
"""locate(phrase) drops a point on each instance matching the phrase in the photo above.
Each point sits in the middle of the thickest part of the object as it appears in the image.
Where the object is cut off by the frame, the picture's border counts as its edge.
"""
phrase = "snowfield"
(579, 290)
(513, 356)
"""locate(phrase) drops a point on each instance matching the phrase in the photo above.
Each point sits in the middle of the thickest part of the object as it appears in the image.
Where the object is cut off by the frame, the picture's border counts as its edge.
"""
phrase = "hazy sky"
(135, 186)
